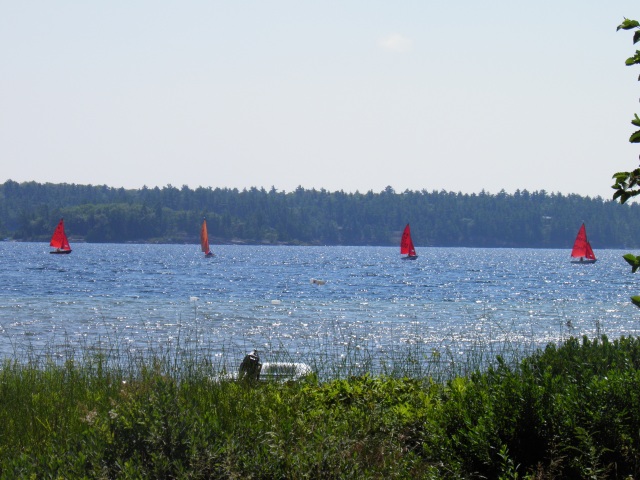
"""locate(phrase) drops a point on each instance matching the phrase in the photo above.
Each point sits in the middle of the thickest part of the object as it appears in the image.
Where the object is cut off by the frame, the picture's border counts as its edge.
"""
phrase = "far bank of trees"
(29, 211)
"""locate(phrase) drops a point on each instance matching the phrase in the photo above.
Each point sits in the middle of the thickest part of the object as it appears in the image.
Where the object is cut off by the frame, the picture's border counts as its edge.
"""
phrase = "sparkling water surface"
(156, 297)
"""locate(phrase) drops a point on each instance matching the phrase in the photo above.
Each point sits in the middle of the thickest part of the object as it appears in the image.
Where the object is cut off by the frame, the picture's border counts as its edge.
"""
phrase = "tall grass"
(416, 410)
(337, 353)
(567, 411)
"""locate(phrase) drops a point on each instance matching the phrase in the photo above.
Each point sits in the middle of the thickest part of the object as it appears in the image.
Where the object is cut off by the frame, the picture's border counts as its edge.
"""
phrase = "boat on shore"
(252, 369)
(582, 251)
(407, 250)
(59, 241)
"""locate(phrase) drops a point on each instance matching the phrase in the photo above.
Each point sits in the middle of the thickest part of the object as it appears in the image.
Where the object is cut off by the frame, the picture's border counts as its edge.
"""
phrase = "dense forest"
(29, 212)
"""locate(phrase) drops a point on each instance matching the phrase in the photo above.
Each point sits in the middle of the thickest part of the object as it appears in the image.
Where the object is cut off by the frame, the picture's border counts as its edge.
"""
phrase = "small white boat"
(252, 369)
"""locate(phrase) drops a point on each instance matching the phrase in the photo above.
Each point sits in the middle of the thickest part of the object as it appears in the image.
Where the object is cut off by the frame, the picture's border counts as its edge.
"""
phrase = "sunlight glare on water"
(265, 297)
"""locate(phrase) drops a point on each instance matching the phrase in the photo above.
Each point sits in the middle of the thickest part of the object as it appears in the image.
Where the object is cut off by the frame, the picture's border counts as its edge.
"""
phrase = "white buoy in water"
(275, 302)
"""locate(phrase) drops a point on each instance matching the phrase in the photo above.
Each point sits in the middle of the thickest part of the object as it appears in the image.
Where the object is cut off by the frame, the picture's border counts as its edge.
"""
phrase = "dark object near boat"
(250, 367)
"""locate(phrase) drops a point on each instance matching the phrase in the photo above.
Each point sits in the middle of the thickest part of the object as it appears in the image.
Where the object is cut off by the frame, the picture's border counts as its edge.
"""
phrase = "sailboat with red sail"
(407, 250)
(204, 240)
(582, 251)
(59, 240)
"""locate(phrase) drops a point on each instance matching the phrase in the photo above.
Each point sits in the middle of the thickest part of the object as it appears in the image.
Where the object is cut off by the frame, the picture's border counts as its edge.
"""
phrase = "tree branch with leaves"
(627, 184)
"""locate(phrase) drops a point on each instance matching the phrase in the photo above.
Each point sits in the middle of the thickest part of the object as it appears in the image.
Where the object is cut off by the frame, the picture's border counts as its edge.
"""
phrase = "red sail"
(581, 247)
(59, 239)
(204, 238)
(406, 244)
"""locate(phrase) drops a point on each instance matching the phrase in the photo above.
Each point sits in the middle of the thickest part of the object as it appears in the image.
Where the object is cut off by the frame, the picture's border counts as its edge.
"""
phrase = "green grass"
(568, 411)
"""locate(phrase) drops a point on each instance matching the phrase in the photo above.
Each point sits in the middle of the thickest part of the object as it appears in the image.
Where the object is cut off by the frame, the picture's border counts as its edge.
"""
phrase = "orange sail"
(204, 240)
(406, 244)
(582, 248)
(59, 240)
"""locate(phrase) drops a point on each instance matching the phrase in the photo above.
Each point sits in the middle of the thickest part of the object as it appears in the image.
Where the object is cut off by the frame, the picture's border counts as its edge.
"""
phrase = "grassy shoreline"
(568, 411)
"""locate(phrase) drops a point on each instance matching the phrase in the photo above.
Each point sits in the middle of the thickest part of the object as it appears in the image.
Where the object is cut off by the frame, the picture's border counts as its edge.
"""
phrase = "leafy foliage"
(568, 411)
(627, 184)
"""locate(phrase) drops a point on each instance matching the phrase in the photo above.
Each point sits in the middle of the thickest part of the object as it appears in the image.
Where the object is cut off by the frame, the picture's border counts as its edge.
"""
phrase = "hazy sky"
(343, 95)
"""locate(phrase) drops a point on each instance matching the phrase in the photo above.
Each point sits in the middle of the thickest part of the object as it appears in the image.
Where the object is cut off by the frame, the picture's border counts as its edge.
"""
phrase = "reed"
(570, 410)
(458, 408)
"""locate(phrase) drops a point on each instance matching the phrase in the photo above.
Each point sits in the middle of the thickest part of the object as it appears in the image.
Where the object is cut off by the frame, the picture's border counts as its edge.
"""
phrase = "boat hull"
(284, 371)
(586, 261)
(410, 257)
(60, 252)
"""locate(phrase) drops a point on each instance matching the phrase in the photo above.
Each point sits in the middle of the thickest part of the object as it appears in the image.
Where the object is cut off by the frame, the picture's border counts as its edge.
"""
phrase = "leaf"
(636, 120)
(636, 37)
(633, 60)
(632, 260)
(621, 175)
(635, 137)
(628, 24)
(620, 193)
(636, 301)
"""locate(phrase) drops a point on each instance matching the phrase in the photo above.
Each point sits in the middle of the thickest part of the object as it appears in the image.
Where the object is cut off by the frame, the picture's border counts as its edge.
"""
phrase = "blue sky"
(341, 95)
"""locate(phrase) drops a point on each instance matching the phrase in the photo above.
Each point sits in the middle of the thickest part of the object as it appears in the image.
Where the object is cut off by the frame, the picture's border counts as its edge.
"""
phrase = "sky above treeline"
(342, 95)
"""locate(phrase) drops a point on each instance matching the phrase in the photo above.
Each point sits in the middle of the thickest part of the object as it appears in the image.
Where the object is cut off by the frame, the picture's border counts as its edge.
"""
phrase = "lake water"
(159, 298)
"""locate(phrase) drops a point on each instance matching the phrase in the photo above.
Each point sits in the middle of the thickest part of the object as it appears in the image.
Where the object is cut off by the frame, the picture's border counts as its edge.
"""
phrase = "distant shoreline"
(300, 244)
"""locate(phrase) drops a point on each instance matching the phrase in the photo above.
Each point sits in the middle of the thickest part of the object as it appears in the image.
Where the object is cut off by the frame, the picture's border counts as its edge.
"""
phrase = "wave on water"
(371, 304)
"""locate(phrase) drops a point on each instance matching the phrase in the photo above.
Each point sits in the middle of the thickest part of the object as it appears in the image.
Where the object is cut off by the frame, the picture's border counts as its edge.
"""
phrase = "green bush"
(568, 411)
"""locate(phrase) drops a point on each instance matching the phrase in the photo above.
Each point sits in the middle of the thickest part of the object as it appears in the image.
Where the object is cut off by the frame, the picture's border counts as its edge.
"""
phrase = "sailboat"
(582, 251)
(59, 240)
(406, 245)
(204, 240)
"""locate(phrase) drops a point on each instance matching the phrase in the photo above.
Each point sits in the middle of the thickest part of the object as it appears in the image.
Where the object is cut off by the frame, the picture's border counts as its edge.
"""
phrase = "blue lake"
(163, 297)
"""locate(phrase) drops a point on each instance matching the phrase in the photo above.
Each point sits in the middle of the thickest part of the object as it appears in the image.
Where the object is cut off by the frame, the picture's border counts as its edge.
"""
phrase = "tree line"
(29, 211)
